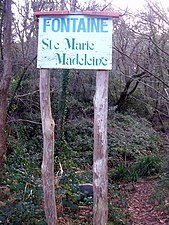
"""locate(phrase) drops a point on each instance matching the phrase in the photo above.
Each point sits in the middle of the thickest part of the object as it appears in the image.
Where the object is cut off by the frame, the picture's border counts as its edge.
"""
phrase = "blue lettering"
(104, 25)
(95, 24)
(88, 25)
(46, 23)
(55, 25)
(74, 24)
(81, 25)
(65, 24)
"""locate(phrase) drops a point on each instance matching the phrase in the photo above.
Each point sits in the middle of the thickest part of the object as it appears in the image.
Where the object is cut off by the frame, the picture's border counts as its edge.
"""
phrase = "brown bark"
(126, 93)
(1, 28)
(5, 77)
(48, 148)
(3, 106)
(100, 158)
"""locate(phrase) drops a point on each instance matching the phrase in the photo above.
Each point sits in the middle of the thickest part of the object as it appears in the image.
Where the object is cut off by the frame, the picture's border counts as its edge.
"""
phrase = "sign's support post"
(48, 148)
(100, 156)
(80, 44)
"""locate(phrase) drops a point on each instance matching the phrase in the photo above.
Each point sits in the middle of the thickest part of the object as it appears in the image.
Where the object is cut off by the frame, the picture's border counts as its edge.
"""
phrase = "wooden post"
(48, 148)
(100, 157)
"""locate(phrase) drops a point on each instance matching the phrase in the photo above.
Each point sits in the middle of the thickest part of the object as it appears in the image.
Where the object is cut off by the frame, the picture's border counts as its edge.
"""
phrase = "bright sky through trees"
(123, 4)
(134, 4)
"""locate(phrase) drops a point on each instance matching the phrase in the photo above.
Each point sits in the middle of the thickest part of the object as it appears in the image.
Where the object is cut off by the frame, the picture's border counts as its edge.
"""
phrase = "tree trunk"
(48, 148)
(3, 108)
(5, 77)
(100, 158)
(126, 93)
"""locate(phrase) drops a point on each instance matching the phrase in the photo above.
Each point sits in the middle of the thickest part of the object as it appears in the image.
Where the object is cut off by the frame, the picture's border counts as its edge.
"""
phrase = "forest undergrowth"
(138, 120)
(135, 153)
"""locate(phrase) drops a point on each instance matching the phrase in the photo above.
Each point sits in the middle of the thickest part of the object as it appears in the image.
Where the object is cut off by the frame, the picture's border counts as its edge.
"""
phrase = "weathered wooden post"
(100, 156)
(76, 41)
(48, 148)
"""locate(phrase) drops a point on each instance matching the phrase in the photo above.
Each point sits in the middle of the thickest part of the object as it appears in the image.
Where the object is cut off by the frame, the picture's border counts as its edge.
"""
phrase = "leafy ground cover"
(134, 154)
(142, 211)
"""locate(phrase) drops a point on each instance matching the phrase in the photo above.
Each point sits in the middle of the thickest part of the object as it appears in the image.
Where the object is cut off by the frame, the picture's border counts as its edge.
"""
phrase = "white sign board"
(75, 42)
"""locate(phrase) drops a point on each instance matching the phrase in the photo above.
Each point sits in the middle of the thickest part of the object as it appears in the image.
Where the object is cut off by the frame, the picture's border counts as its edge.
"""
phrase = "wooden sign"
(75, 42)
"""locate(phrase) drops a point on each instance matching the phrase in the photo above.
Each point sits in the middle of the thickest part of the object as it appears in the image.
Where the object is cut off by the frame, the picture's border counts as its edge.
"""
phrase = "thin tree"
(5, 74)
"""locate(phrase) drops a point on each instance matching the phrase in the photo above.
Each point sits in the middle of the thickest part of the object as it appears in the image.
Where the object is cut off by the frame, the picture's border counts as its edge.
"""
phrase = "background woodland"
(138, 116)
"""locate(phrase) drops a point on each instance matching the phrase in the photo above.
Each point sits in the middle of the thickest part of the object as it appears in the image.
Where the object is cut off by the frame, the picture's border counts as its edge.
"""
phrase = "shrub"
(160, 196)
(120, 173)
(79, 134)
(22, 177)
(117, 208)
(130, 137)
(148, 165)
